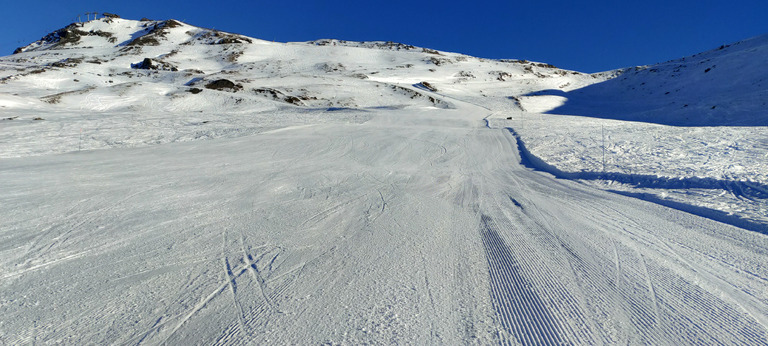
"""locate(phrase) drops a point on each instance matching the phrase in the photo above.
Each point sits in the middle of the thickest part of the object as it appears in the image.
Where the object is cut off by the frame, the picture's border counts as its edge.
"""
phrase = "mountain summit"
(171, 66)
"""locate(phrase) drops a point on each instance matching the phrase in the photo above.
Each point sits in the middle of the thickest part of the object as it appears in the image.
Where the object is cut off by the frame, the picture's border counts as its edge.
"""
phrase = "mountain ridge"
(110, 53)
(109, 57)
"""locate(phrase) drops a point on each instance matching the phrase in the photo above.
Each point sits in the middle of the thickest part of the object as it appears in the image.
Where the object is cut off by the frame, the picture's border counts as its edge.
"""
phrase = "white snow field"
(361, 193)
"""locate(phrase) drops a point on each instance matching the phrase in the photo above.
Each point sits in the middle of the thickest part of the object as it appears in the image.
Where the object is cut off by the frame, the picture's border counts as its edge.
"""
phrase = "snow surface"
(374, 192)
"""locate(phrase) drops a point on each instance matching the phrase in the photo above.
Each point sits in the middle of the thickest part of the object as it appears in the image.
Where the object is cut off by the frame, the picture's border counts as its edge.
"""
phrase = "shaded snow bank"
(673, 192)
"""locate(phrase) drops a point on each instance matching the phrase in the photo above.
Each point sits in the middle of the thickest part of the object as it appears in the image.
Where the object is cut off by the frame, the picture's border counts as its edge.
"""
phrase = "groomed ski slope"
(688, 133)
(417, 226)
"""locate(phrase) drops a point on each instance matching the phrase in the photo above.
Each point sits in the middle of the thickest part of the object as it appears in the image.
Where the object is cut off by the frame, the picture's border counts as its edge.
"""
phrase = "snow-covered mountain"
(117, 64)
(727, 86)
(169, 184)
(116, 82)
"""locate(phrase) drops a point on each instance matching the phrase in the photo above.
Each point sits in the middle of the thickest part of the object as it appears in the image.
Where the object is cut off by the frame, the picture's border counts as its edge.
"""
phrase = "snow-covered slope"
(727, 86)
(117, 69)
(686, 132)
(336, 192)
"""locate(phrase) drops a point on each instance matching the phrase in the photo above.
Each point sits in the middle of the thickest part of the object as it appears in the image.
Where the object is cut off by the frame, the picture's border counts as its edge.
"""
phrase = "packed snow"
(170, 184)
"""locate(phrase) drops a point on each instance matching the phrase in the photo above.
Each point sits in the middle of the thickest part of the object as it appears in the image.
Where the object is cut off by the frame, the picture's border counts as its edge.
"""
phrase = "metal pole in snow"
(602, 131)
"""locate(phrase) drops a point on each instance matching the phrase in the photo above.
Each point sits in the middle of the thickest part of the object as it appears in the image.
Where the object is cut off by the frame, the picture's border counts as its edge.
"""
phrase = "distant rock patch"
(501, 76)
(154, 33)
(384, 45)
(224, 85)
(465, 75)
(69, 62)
(413, 94)
(428, 86)
(280, 96)
(69, 35)
(440, 61)
(331, 67)
(149, 64)
(215, 37)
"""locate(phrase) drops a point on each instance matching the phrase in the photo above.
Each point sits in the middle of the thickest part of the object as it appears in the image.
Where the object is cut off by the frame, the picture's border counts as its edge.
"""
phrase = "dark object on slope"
(429, 87)
(224, 85)
(149, 64)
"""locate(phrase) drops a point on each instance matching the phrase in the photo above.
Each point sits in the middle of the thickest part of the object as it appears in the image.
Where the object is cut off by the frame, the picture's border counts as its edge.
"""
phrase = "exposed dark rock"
(388, 45)
(146, 64)
(275, 94)
(413, 94)
(465, 74)
(69, 62)
(228, 40)
(440, 61)
(223, 85)
(279, 96)
(220, 37)
(98, 33)
(501, 75)
(68, 35)
(156, 31)
(428, 86)
(293, 100)
(331, 67)
(172, 23)
(545, 65)
(145, 40)
(149, 64)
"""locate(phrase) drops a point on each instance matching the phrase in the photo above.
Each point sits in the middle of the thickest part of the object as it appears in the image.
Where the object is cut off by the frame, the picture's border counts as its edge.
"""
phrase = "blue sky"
(587, 36)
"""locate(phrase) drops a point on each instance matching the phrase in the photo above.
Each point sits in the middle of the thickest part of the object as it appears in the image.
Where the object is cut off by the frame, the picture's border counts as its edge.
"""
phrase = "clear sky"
(587, 36)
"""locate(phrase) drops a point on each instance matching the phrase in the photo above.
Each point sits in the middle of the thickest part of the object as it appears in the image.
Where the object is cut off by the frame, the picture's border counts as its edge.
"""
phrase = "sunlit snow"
(169, 184)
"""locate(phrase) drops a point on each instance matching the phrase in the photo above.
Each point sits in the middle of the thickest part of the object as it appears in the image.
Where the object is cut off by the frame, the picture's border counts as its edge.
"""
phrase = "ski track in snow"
(278, 242)
(366, 209)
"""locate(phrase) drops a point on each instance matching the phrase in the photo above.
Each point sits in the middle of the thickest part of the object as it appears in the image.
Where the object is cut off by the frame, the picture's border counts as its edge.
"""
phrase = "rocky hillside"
(114, 64)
